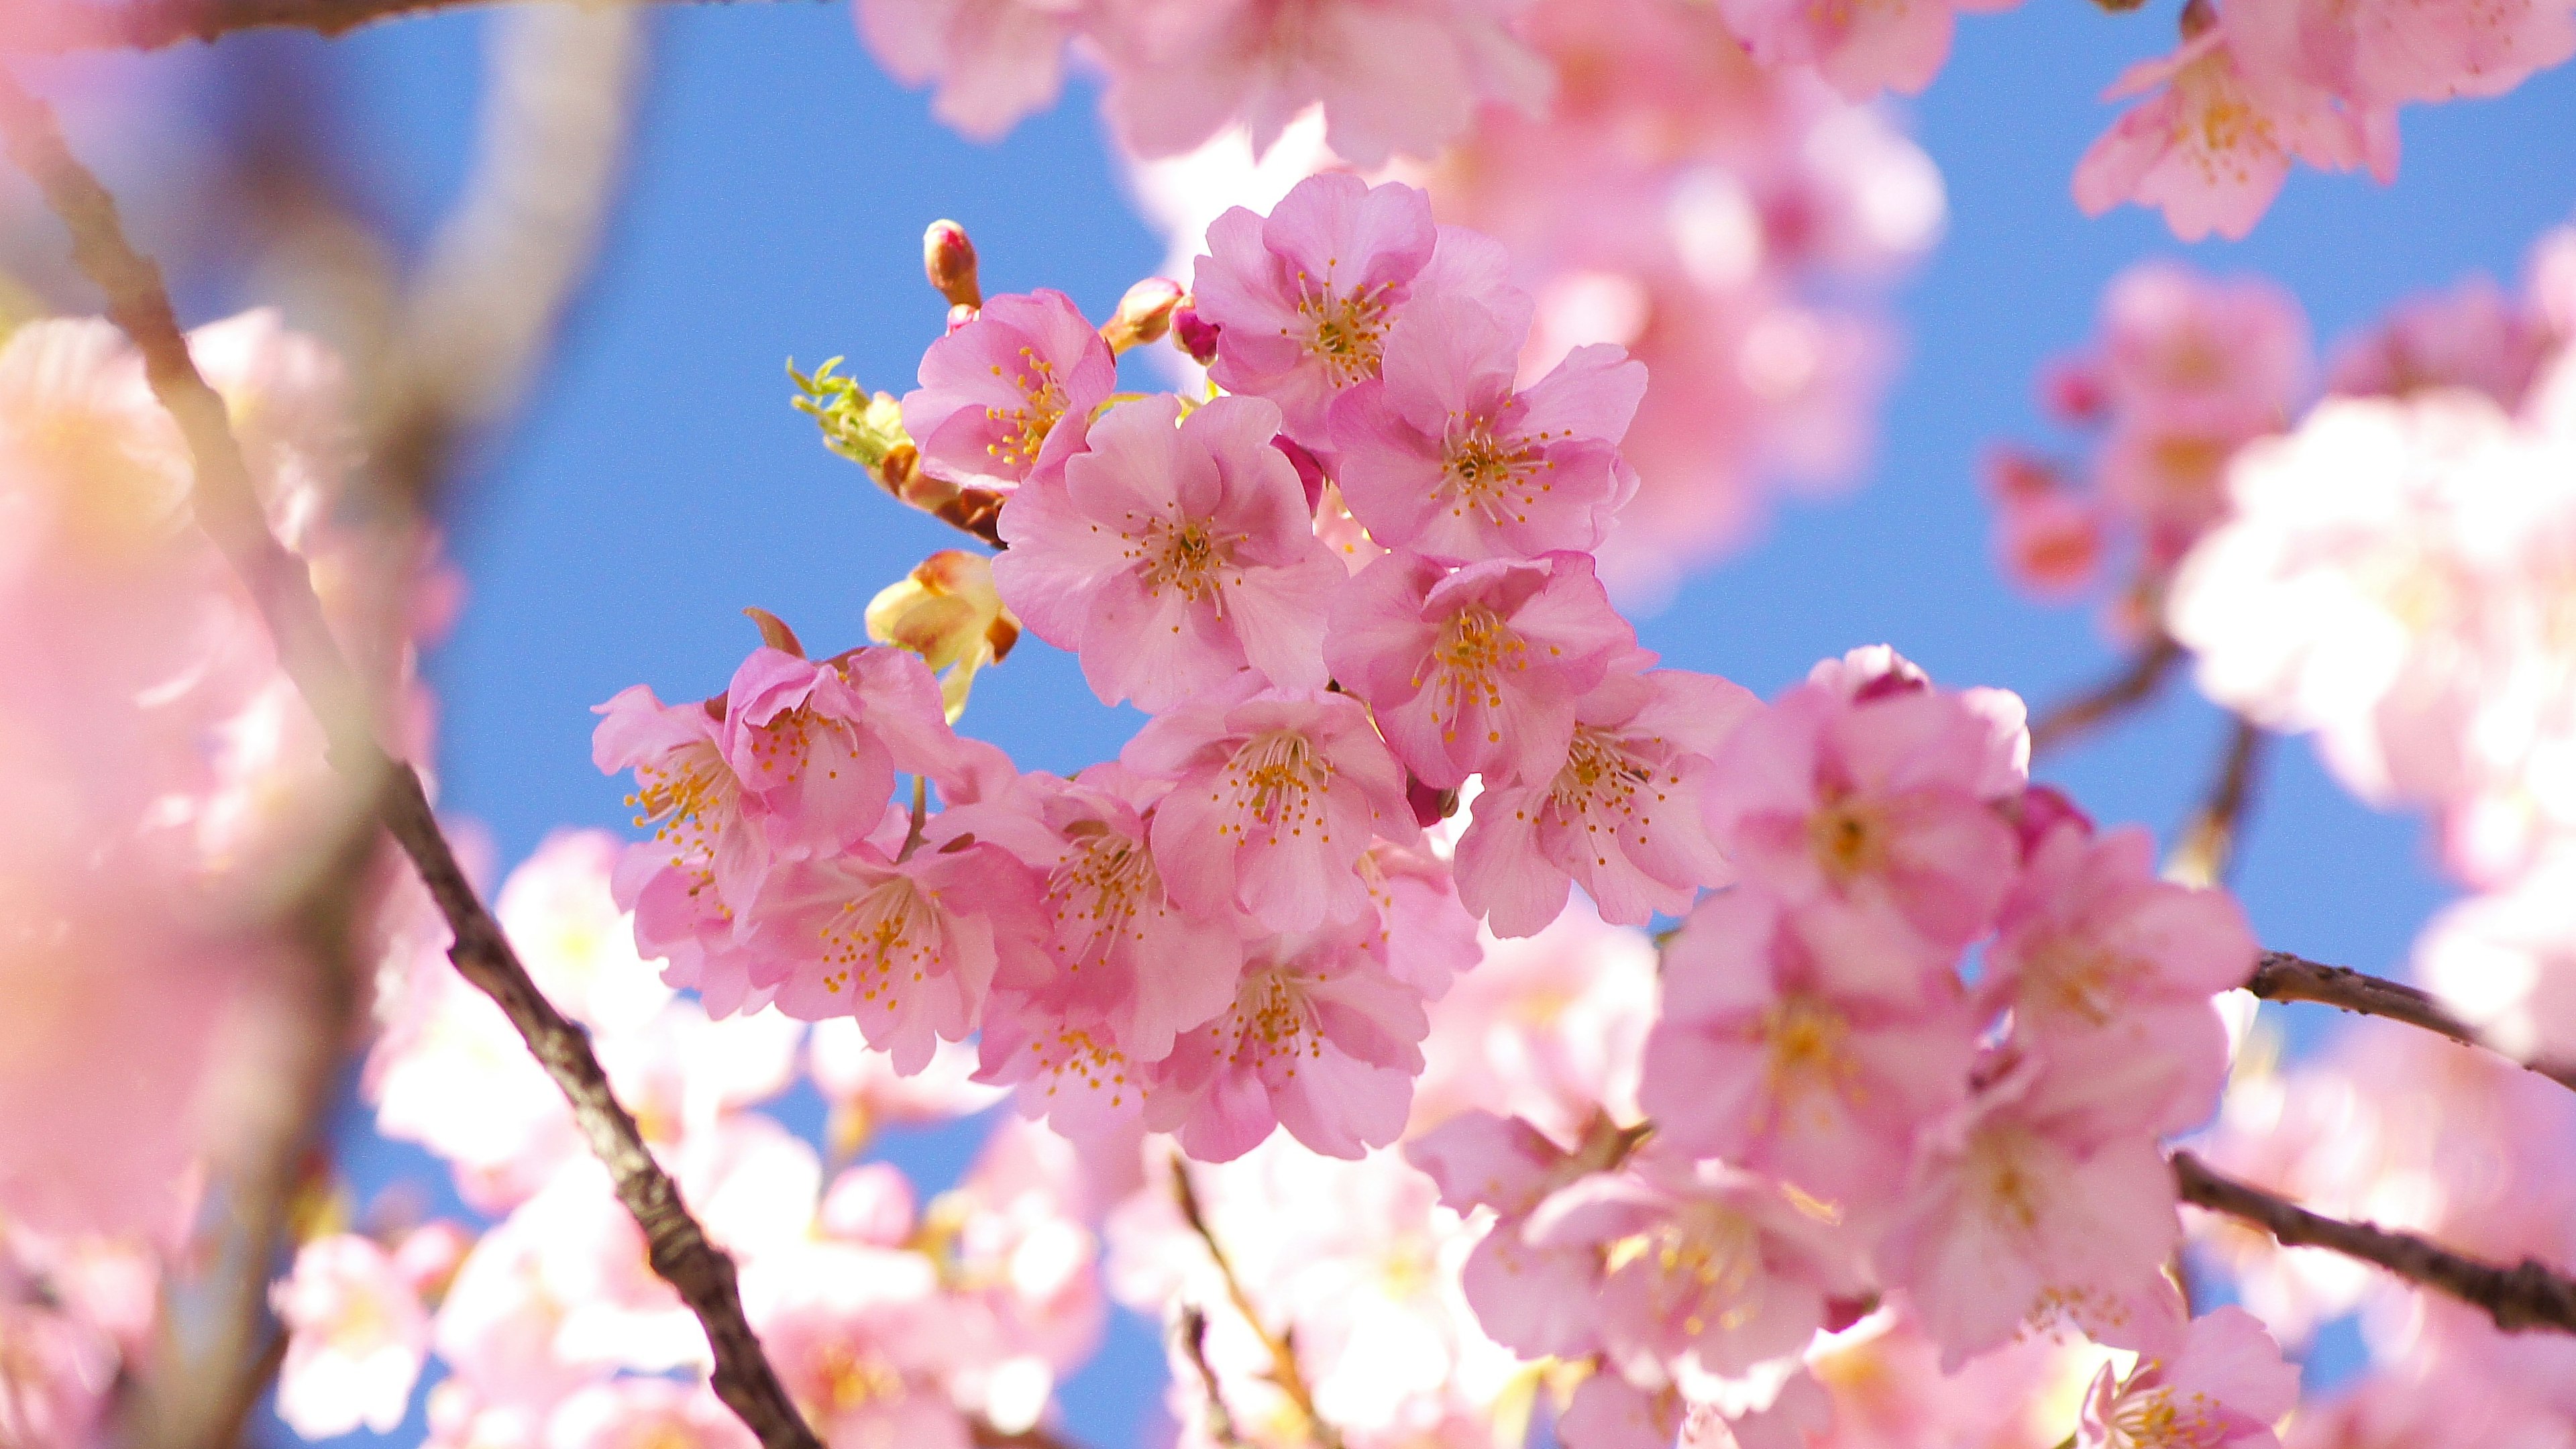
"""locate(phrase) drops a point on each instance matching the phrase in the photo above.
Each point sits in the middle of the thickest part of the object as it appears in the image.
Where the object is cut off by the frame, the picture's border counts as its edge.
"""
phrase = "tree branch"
(2280, 976)
(1220, 1419)
(68, 26)
(2208, 844)
(228, 507)
(2526, 1296)
(2113, 697)
(1283, 1359)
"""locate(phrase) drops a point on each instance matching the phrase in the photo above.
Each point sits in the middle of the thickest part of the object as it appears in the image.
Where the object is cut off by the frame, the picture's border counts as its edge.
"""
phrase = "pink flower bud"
(948, 259)
(1193, 333)
(1143, 315)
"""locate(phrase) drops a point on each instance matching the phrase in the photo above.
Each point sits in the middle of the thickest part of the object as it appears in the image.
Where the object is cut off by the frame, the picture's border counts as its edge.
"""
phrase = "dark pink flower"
(994, 391)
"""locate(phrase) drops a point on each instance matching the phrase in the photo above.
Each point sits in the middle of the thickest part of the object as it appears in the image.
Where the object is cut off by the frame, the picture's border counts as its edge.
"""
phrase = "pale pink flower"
(1477, 671)
(1809, 1046)
(1872, 802)
(2381, 52)
(1275, 796)
(1549, 1027)
(1534, 1298)
(356, 1336)
(1402, 76)
(1627, 816)
(1424, 935)
(560, 912)
(638, 1413)
(909, 947)
(1173, 557)
(2472, 336)
(2212, 144)
(2225, 1389)
(863, 1340)
(1303, 298)
(1861, 49)
(2505, 962)
(2224, 356)
(1016, 1242)
(866, 1092)
(994, 61)
(1733, 1273)
(2031, 1200)
(2099, 960)
(1009, 394)
(1442, 455)
(1320, 1040)
(815, 745)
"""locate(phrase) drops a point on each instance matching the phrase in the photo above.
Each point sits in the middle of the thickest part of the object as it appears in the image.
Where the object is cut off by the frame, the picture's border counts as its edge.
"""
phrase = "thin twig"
(2526, 1296)
(2208, 844)
(228, 507)
(1193, 1329)
(2280, 976)
(2113, 697)
(1037, 1436)
(66, 26)
(1283, 1359)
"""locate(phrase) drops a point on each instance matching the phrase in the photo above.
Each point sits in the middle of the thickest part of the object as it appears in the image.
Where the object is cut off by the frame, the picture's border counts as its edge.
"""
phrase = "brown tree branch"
(1193, 1329)
(1283, 1358)
(67, 26)
(2113, 697)
(2208, 844)
(2528, 1295)
(228, 507)
(2280, 976)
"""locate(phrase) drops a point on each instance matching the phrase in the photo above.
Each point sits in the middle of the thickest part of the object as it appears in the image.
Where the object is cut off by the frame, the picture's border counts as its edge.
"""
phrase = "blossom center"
(1023, 430)
(1098, 891)
(876, 936)
(1848, 839)
(1474, 648)
(1188, 557)
(1275, 778)
(682, 795)
(1808, 1045)
(1494, 476)
(1346, 331)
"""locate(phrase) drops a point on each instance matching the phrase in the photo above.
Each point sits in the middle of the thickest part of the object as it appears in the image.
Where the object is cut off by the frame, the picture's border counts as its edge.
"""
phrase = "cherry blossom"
(1627, 816)
(2226, 1387)
(1442, 455)
(1477, 671)
(1172, 557)
(994, 392)
(1860, 49)
(1275, 796)
(994, 61)
(356, 1338)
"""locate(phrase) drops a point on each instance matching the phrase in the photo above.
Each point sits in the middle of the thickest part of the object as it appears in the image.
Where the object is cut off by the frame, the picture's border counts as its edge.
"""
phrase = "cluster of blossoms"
(2253, 85)
(1715, 217)
(171, 818)
(890, 1321)
(2258, 83)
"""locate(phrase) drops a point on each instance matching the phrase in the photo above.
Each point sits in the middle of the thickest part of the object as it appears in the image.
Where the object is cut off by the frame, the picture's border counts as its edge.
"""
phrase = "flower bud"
(948, 259)
(1143, 315)
(948, 612)
(1194, 334)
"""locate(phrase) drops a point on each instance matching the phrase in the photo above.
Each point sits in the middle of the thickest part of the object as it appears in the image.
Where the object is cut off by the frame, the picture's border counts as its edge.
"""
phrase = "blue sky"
(660, 483)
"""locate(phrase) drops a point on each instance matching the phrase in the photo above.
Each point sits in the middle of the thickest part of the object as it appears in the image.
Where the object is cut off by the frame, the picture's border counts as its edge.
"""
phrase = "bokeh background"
(657, 482)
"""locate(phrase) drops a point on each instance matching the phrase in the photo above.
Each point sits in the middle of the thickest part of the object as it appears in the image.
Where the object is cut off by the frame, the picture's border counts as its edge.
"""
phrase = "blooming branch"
(2284, 977)
(228, 508)
(2107, 701)
(2526, 1296)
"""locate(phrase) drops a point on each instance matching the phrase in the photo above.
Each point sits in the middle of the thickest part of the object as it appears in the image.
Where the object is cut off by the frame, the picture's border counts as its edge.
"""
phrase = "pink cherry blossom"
(356, 1338)
(1479, 670)
(1534, 1298)
(1303, 298)
(994, 61)
(1008, 394)
(909, 947)
(1872, 802)
(815, 746)
(2385, 51)
(1401, 77)
(1172, 557)
(862, 1340)
(1732, 1273)
(686, 790)
(1442, 455)
(866, 1092)
(2212, 143)
(1860, 49)
(1626, 817)
(639, 1413)
(2030, 1200)
(1810, 1046)
(1275, 796)
(1424, 935)
(1319, 1040)
(1550, 1028)
(2101, 961)
(2472, 336)
(2224, 1390)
